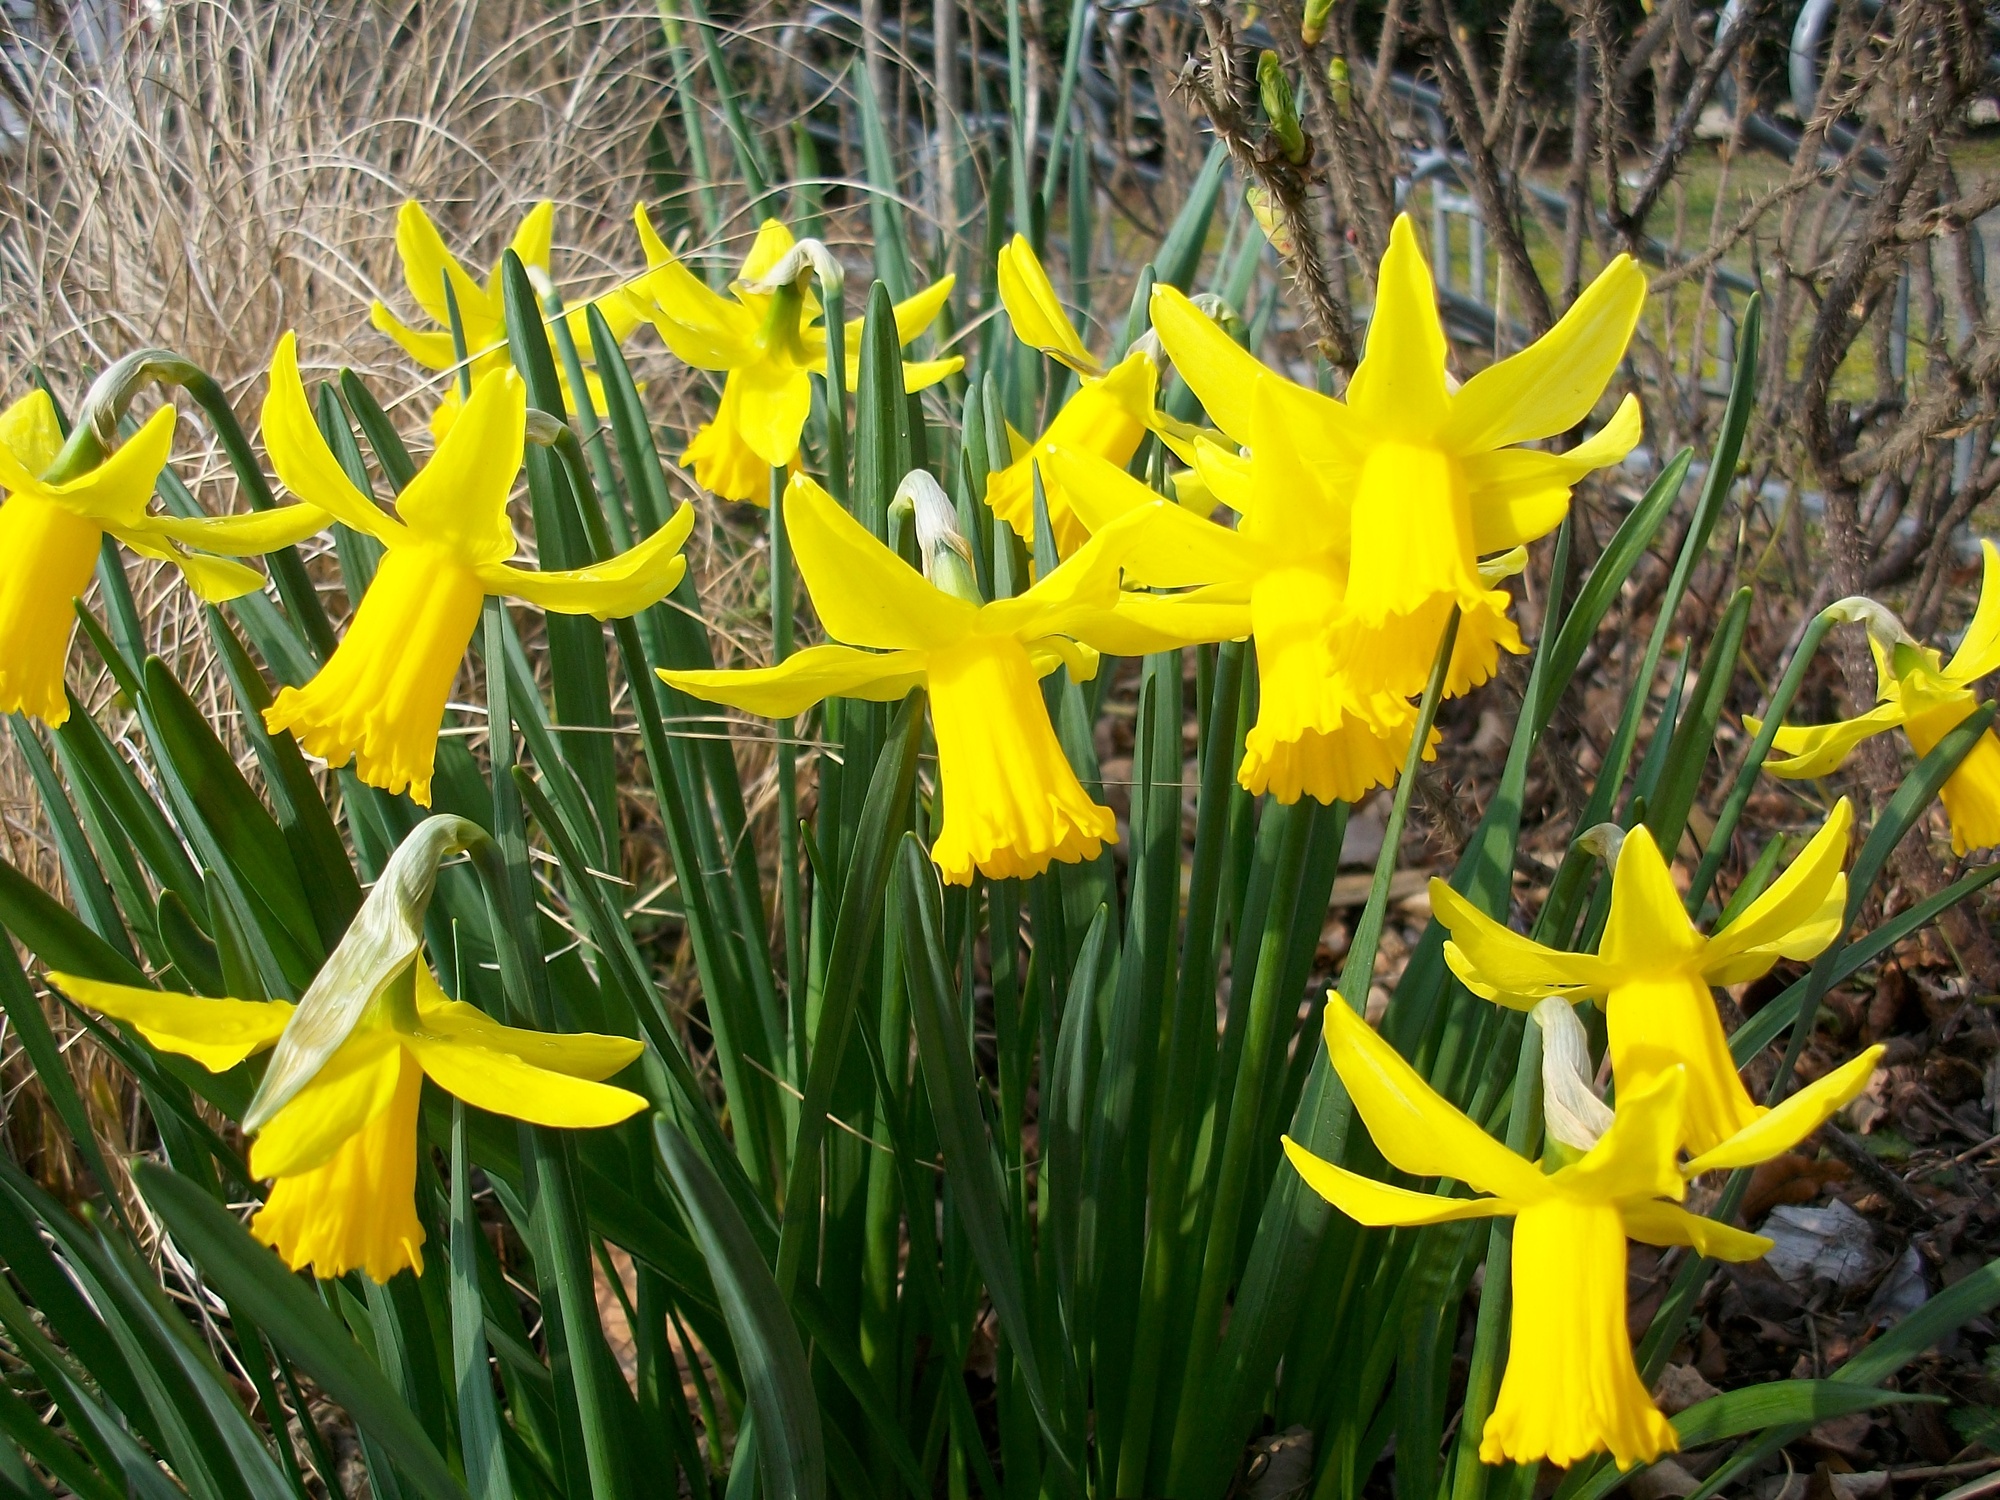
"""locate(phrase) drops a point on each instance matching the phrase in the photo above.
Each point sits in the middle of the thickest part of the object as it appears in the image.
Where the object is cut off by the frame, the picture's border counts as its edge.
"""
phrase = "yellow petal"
(47, 557)
(1571, 1387)
(619, 586)
(1412, 536)
(1776, 1131)
(1801, 912)
(1012, 804)
(1227, 474)
(1518, 495)
(218, 1034)
(574, 1055)
(1551, 385)
(1399, 386)
(773, 401)
(215, 580)
(918, 374)
(1665, 1024)
(1377, 1204)
(1971, 797)
(1303, 472)
(29, 430)
(1819, 749)
(1039, 318)
(458, 501)
(380, 698)
(1416, 1129)
(1140, 624)
(432, 349)
(1220, 371)
(1648, 928)
(865, 594)
(358, 1083)
(774, 241)
(1638, 1156)
(357, 1211)
(1497, 963)
(913, 315)
(505, 1084)
(248, 534)
(803, 679)
(426, 264)
(532, 240)
(117, 491)
(301, 457)
(1669, 1224)
(703, 329)
(1979, 652)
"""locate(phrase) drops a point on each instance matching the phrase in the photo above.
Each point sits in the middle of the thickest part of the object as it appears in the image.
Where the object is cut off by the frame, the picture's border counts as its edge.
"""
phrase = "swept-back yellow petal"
(914, 314)
(507, 1084)
(1104, 418)
(1648, 928)
(426, 264)
(30, 432)
(1379, 1205)
(1140, 624)
(1411, 537)
(573, 1054)
(1636, 1157)
(1039, 318)
(1551, 385)
(1665, 1022)
(116, 492)
(1170, 547)
(702, 329)
(299, 453)
(1399, 387)
(773, 400)
(1497, 963)
(803, 679)
(215, 580)
(1302, 481)
(1776, 1131)
(218, 1034)
(1819, 749)
(772, 244)
(247, 534)
(865, 594)
(1978, 653)
(1669, 1224)
(458, 501)
(533, 239)
(1796, 917)
(640, 576)
(1519, 495)
(432, 348)
(1416, 1129)
(358, 1082)
(1220, 371)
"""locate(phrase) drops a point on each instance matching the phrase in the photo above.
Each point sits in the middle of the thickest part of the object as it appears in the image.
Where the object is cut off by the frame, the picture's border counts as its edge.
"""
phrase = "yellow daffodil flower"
(1927, 697)
(1432, 473)
(342, 1153)
(482, 310)
(1107, 417)
(1571, 1386)
(1653, 968)
(52, 530)
(769, 338)
(1011, 802)
(1326, 725)
(381, 697)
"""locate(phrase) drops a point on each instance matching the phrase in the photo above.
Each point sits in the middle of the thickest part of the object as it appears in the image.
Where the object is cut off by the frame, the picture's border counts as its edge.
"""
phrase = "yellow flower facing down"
(1012, 803)
(342, 1153)
(1107, 417)
(1571, 1387)
(1434, 475)
(51, 533)
(1927, 697)
(482, 310)
(769, 337)
(1653, 968)
(380, 698)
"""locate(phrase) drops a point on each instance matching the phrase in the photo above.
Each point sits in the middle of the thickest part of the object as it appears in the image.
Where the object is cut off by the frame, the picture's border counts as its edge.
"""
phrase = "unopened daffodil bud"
(946, 553)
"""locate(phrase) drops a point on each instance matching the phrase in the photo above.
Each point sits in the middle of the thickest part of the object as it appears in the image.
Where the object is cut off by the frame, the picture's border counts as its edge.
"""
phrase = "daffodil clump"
(1926, 697)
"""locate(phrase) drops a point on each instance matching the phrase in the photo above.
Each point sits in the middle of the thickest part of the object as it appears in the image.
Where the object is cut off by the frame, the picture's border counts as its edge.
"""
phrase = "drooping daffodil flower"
(1434, 474)
(1107, 416)
(335, 1116)
(1571, 1386)
(769, 337)
(52, 529)
(380, 698)
(1653, 969)
(482, 310)
(1327, 726)
(1927, 697)
(1012, 803)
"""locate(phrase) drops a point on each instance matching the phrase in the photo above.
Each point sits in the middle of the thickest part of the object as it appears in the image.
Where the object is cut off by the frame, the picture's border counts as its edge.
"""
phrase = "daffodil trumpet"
(1571, 1387)
(380, 699)
(768, 339)
(1926, 697)
(62, 499)
(1107, 416)
(1653, 969)
(1012, 803)
(481, 309)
